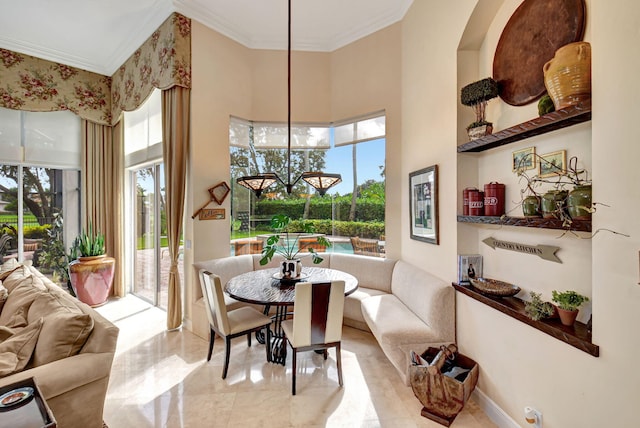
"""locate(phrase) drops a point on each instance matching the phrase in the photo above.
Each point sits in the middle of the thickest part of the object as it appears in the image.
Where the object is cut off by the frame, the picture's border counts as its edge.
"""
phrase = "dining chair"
(317, 321)
(229, 324)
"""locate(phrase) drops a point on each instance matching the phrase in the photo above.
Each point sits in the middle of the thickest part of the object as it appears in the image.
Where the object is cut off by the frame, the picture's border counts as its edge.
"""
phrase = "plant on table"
(290, 249)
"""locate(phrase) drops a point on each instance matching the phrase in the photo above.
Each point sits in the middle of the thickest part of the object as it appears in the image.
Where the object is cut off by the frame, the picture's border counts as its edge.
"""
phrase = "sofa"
(404, 307)
(64, 344)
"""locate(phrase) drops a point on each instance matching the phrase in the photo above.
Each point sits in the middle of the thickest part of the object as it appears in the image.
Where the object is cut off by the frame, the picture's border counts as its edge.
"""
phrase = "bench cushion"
(397, 329)
(352, 307)
(373, 273)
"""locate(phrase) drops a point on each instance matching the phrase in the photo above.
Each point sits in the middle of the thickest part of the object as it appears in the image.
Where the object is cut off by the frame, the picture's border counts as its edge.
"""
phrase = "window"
(39, 186)
(354, 148)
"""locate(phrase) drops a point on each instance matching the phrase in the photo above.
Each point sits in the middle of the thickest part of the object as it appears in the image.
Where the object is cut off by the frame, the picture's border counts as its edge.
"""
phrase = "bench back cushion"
(372, 272)
(427, 296)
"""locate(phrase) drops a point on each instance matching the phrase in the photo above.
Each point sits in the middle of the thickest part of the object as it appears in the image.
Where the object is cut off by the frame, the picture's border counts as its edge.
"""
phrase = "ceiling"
(99, 35)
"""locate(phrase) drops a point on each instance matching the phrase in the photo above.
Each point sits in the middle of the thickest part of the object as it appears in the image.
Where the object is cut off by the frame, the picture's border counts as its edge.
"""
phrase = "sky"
(370, 156)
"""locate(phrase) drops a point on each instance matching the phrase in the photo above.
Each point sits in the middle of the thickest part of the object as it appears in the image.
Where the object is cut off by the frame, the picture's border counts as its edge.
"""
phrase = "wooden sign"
(212, 214)
(546, 252)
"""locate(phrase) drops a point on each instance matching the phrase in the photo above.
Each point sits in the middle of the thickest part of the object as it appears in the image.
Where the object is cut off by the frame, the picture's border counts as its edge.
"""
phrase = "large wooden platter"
(531, 37)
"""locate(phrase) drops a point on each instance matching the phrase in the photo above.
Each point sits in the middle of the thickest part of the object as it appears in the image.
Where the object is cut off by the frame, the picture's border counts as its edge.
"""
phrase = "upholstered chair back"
(213, 297)
(318, 310)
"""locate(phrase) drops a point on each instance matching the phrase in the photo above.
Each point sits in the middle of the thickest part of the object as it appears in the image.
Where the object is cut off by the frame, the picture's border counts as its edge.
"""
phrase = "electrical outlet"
(533, 417)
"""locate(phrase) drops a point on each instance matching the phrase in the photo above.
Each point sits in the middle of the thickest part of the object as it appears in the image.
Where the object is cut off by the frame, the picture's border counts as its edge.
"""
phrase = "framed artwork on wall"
(524, 159)
(423, 197)
(552, 164)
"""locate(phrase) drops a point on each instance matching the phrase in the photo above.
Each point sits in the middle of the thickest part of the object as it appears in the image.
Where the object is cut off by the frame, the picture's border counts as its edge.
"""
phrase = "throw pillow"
(16, 351)
(21, 297)
(18, 276)
(64, 331)
(7, 267)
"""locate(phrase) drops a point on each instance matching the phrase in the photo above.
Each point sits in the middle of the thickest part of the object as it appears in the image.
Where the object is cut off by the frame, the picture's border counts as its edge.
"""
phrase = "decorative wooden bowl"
(495, 287)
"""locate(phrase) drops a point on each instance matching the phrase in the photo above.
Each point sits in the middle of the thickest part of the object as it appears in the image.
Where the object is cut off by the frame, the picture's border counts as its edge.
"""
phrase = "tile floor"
(162, 379)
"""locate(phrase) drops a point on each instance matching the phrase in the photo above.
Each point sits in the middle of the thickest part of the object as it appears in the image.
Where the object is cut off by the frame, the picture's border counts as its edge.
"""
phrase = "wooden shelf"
(540, 125)
(576, 336)
(537, 222)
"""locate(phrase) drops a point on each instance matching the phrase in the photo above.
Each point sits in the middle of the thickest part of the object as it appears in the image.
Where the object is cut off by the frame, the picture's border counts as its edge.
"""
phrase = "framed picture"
(469, 266)
(553, 164)
(423, 197)
(219, 192)
(524, 159)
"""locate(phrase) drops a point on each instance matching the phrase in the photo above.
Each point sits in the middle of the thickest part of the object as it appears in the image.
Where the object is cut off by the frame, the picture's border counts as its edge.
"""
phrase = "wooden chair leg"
(212, 336)
(226, 358)
(249, 339)
(325, 353)
(339, 362)
(294, 368)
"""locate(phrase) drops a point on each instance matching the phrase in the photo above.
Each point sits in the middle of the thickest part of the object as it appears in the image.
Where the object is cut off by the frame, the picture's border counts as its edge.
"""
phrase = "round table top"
(261, 286)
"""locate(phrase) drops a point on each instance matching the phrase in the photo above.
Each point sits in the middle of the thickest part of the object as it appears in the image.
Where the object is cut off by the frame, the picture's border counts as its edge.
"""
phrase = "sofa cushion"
(64, 331)
(372, 272)
(17, 349)
(17, 305)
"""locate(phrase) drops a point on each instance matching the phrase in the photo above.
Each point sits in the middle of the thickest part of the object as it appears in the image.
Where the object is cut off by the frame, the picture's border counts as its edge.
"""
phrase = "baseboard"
(493, 411)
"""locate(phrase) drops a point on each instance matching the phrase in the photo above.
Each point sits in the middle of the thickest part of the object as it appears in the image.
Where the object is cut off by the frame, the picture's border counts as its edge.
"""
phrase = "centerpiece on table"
(91, 273)
(291, 266)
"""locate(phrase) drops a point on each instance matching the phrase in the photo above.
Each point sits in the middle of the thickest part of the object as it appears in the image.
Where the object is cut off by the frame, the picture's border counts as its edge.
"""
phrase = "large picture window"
(351, 215)
(39, 188)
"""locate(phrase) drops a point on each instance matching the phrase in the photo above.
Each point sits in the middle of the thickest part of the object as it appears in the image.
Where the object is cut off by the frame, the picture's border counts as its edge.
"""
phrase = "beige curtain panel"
(102, 189)
(175, 146)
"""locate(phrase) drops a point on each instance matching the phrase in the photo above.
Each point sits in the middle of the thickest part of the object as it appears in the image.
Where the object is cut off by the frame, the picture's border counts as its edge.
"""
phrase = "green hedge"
(342, 228)
(367, 209)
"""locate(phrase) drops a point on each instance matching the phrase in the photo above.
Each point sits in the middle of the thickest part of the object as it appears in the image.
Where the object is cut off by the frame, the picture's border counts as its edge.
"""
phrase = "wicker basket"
(568, 75)
(443, 397)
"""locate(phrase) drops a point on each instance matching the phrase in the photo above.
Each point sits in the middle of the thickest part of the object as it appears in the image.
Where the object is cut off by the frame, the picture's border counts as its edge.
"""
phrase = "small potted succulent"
(568, 303)
(476, 95)
(537, 309)
(289, 248)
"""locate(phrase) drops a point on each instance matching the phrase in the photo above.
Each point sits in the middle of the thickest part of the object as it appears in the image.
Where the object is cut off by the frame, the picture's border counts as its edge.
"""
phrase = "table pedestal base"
(278, 341)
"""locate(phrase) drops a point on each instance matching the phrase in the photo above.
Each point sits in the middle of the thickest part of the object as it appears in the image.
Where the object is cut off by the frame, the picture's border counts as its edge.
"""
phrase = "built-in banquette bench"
(406, 308)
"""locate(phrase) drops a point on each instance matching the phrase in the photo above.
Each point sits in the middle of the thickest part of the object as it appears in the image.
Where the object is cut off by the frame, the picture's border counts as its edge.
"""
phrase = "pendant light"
(318, 180)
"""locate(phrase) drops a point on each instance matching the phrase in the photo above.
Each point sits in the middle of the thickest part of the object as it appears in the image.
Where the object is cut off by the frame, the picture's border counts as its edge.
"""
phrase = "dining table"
(266, 287)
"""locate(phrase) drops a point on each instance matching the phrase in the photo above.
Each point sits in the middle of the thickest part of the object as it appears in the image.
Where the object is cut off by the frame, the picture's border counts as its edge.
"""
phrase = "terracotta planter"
(92, 278)
(567, 317)
(568, 75)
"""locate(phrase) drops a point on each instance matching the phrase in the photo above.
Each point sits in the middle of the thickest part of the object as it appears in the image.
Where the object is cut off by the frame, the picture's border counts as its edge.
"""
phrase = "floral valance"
(163, 61)
(34, 84)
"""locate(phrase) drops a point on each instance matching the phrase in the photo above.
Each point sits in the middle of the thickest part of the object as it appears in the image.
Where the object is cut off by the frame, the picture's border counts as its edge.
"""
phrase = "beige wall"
(519, 365)
(366, 77)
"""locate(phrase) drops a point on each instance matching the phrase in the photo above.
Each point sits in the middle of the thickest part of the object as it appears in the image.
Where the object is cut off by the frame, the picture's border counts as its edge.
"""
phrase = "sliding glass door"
(151, 256)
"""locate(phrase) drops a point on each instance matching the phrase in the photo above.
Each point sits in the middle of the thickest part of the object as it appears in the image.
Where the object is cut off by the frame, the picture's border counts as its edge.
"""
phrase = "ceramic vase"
(92, 278)
(291, 269)
(579, 203)
(552, 202)
(531, 206)
(567, 76)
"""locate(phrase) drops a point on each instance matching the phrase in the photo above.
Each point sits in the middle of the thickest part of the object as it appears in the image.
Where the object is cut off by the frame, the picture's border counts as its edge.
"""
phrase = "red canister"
(476, 202)
(465, 200)
(493, 199)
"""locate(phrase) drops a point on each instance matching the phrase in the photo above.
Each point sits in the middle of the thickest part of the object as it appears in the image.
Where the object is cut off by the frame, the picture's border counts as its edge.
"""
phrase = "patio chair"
(305, 243)
(247, 246)
(366, 247)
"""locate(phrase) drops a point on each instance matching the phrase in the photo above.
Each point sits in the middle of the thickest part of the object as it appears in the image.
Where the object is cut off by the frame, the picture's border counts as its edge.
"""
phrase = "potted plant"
(537, 309)
(476, 95)
(91, 273)
(54, 254)
(568, 303)
(291, 267)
